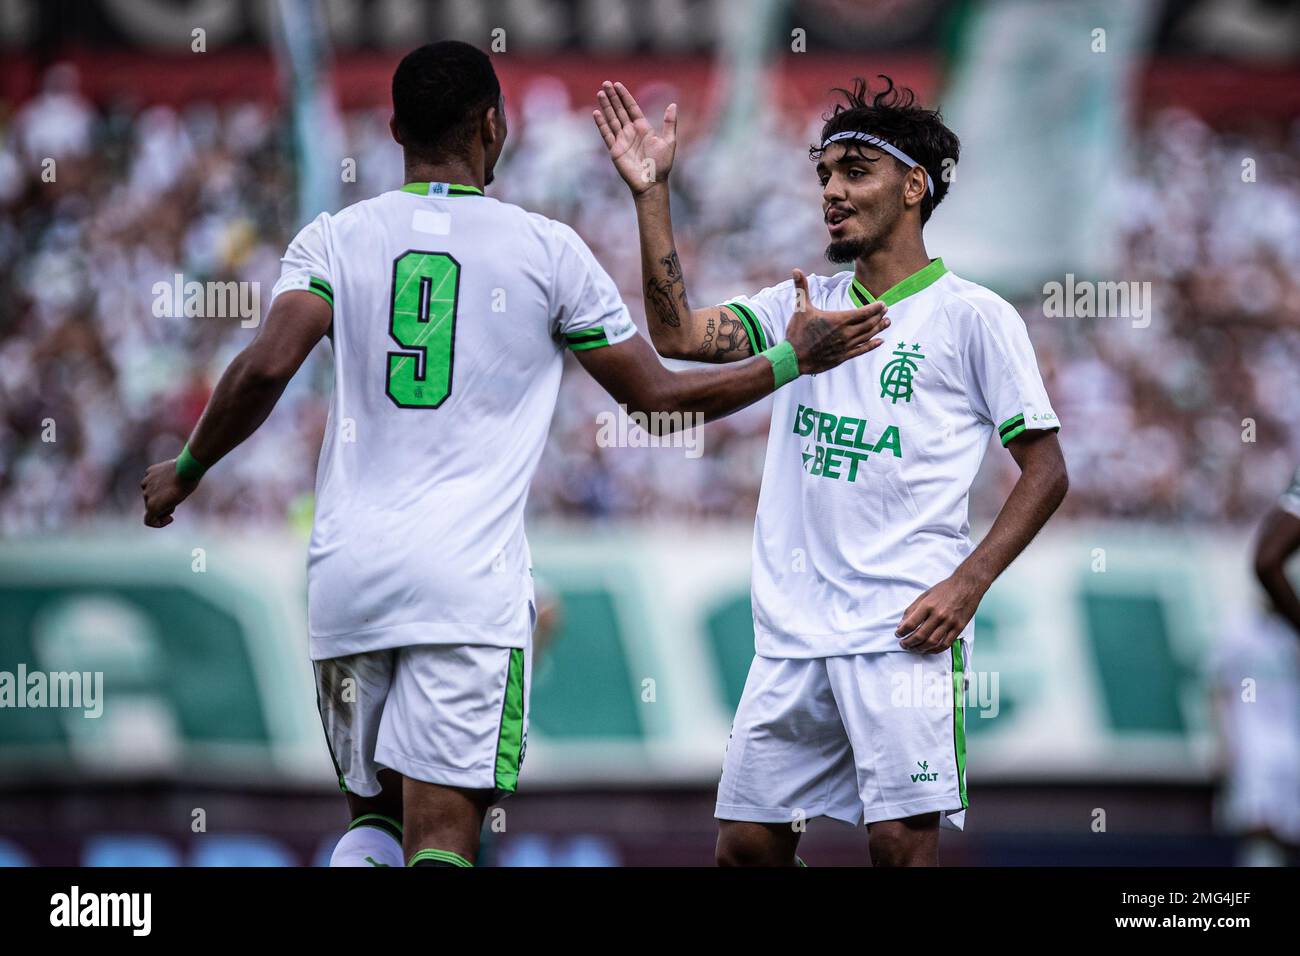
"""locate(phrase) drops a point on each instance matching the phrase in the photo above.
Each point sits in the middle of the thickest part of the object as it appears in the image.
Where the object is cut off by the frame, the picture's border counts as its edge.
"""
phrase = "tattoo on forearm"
(666, 297)
(659, 301)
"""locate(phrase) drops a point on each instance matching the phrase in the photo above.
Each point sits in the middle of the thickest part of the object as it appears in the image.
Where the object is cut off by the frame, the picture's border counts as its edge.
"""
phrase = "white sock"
(368, 846)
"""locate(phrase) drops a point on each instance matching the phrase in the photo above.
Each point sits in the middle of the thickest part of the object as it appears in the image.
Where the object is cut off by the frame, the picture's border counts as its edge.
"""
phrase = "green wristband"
(187, 466)
(785, 363)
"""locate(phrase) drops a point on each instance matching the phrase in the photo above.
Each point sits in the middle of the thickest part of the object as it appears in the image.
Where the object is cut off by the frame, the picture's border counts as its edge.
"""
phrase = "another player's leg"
(351, 693)
(905, 718)
(913, 841)
(741, 843)
(374, 837)
(443, 823)
(454, 727)
(788, 761)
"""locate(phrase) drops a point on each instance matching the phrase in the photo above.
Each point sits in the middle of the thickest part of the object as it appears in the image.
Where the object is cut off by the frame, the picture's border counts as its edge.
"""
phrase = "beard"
(847, 250)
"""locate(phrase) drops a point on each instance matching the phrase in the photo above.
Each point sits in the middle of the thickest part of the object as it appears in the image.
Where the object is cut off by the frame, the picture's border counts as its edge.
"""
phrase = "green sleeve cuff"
(785, 363)
(188, 467)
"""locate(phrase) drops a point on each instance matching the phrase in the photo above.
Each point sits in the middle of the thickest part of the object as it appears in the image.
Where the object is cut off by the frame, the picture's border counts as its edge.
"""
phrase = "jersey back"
(451, 315)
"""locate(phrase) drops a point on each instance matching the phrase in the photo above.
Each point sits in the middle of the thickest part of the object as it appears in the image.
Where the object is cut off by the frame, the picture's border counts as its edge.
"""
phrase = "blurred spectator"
(94, 386)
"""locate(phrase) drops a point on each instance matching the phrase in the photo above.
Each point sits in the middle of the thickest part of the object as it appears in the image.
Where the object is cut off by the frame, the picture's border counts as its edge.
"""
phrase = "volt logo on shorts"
(924, 775)
(838, 444)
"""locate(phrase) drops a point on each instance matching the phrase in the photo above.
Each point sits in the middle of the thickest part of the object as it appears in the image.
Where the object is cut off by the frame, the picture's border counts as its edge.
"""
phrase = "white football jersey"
(869, 465)
(451, 315)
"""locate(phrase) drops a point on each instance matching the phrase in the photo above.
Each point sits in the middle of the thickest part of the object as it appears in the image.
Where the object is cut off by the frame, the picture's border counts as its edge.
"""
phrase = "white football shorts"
(859, 738)
(451, 714)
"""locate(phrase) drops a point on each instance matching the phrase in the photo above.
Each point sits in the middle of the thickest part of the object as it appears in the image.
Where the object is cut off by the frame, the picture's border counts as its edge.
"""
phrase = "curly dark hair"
(894, 116)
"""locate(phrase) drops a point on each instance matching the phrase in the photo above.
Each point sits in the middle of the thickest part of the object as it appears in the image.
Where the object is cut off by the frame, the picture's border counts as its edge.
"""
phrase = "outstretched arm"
(937, 618)
(644, 158)
(816, 340)
(1279, 538)
(242, 400)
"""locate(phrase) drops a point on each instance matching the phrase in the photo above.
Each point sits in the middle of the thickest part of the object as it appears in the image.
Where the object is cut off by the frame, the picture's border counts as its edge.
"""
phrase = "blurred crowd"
(1193, 421)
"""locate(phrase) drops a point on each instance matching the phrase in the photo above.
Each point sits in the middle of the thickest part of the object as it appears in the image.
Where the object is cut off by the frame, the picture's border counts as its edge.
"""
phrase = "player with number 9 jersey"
(451, 315)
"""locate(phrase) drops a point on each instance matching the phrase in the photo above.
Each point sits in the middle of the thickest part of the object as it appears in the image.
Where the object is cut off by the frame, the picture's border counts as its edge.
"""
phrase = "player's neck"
(460, 173)
(885, 267)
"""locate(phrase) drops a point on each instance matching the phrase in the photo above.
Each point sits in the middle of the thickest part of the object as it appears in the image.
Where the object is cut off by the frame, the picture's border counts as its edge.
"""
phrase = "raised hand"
(642, 156)
(822, 339)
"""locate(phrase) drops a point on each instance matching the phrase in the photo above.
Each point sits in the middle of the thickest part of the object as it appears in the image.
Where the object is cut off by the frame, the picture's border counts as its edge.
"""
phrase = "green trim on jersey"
(510, 739)
(749, 322)
(442, 856)
(921, 279)
(453, 189)
(322, 289)
(959, 718)
(586, 339)
(1012, 427)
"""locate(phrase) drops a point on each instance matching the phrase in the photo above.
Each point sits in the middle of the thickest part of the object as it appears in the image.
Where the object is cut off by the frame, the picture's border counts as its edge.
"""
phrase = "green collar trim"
(441, 189)
(913, 284)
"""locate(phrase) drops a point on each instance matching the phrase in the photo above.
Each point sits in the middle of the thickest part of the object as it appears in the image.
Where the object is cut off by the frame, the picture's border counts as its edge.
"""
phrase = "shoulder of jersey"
(962, 294)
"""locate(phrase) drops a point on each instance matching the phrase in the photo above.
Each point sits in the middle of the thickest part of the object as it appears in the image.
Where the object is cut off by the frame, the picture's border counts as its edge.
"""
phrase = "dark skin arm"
(634, 376)
(244, 397)
(644, 157)
(630, 371)
(1279, 538)
(936, 619)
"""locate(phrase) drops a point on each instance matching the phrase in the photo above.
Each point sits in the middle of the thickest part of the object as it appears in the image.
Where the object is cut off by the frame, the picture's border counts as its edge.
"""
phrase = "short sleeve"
(305, 264)
(586, 308)
(764, 314)
(1290, 500)
(1006, 388)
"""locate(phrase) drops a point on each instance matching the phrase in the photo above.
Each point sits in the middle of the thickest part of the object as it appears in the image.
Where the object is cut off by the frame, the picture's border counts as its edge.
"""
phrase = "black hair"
(894, 116)
(440, 92)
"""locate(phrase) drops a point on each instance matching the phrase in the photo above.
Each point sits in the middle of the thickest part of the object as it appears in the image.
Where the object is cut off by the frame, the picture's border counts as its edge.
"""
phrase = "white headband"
(879, 143)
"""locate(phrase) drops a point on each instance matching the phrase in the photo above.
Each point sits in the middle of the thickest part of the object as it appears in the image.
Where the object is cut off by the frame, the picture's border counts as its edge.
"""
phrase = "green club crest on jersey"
(896, 376)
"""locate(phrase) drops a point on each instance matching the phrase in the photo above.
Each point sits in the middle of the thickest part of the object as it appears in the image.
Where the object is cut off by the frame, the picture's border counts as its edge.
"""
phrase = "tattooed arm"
(678, 331)
(643, 158)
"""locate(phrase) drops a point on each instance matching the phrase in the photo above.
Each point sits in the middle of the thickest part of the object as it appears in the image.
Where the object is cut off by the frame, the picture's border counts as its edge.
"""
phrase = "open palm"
(641, 155)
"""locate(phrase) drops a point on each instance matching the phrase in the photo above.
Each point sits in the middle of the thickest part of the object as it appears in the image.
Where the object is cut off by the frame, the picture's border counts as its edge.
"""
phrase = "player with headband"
(865, 582)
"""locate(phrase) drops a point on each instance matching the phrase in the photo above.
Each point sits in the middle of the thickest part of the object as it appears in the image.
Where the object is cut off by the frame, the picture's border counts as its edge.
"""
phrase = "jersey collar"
(910, 286)
(441, 189)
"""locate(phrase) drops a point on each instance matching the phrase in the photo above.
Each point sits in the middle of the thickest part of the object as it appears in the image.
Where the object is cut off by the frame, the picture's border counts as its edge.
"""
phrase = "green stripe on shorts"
(959, 717)
(510, 739)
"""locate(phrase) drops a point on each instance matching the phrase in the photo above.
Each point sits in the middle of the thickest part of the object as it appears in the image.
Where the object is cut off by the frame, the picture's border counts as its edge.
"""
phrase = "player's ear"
(914, 186)
(392, 128)
(494, 126)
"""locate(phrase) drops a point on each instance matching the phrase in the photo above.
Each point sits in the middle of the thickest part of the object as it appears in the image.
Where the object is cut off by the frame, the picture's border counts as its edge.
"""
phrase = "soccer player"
(1260, 721)
(864, 579)
(448, 314)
